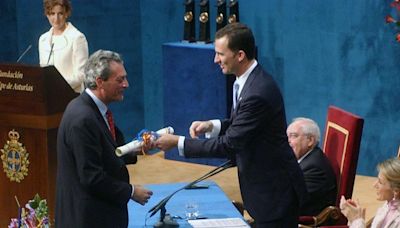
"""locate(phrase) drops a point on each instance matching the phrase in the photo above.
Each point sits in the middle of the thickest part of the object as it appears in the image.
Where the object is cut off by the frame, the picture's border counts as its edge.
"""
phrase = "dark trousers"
(281, 223)
(289, 220)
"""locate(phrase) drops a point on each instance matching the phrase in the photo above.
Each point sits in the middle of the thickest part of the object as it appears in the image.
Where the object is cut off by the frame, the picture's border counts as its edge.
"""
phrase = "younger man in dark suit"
(93, 186)
(271, 182)
(304, 136)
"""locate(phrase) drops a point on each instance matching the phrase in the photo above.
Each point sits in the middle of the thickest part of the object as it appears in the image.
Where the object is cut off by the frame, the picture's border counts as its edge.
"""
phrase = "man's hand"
(148, 146)
(200, 127)
(141, 195)
(167, 141)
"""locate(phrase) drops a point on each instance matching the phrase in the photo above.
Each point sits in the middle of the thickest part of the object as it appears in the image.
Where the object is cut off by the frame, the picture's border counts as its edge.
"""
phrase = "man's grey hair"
(98, 65)
(309, 128)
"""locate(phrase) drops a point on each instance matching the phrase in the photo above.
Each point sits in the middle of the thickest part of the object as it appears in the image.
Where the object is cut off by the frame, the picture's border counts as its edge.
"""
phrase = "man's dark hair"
(239, 37)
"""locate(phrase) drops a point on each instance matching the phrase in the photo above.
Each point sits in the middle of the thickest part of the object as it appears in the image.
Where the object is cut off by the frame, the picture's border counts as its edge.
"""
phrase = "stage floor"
(154, 169)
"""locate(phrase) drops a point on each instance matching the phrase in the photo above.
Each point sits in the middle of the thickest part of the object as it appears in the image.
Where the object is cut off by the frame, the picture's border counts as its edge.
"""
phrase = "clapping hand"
(351, 209)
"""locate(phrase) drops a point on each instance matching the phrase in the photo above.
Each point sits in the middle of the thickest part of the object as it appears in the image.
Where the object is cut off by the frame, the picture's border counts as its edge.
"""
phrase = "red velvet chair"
(341, 145)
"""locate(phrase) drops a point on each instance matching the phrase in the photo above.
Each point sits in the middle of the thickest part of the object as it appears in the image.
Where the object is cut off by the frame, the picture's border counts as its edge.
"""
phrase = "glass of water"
(191, 210)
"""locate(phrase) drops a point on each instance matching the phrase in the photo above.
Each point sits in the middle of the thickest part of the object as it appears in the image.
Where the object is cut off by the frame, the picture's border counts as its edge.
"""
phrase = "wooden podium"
(32, 101)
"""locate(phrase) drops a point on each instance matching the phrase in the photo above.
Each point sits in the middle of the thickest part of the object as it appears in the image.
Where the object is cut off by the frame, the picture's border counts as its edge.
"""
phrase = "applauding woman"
(388, 190)
(63, 45)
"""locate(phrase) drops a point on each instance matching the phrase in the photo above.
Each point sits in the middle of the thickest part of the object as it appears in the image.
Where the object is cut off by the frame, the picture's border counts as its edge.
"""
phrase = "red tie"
(110, 121)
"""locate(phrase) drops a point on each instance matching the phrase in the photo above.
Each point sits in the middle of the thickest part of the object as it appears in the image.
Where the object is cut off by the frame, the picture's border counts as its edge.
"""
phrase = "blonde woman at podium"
(63, 46)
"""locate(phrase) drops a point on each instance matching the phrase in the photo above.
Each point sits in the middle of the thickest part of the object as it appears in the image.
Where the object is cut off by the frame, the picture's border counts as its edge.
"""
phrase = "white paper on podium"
(223, 222)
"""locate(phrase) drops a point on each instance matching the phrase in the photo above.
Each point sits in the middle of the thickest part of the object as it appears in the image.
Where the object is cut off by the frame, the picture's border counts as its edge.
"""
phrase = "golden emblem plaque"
(15, 158)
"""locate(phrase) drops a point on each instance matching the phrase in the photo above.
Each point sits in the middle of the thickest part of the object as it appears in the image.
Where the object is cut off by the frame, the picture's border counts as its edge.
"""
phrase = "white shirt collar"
(100, 105)
(304, 156)
(241, 80)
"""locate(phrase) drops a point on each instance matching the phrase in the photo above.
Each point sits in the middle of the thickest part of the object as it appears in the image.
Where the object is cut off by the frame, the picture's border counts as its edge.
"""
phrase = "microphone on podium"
(51, 52)
(23, 53)
(168, 222)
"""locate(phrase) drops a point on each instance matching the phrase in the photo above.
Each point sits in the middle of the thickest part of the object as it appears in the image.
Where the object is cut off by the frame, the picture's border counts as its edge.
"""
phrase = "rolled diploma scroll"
(136, 145)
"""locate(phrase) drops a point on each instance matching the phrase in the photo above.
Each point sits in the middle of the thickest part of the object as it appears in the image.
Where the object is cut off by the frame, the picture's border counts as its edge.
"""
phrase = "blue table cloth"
(212, 203)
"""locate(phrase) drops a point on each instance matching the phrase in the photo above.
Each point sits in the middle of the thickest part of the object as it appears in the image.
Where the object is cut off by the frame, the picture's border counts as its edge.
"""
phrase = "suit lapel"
(246, 87)
(99, 117)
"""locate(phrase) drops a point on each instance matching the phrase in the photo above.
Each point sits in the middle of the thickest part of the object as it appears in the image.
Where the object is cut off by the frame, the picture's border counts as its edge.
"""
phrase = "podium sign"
(32, 101)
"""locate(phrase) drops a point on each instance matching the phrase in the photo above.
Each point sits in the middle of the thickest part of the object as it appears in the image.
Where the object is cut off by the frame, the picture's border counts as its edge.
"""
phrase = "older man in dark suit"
(304, 135)
(93, 186)
(271, 181)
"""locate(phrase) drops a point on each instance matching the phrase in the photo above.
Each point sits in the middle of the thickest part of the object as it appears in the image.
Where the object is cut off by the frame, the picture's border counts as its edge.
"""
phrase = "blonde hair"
(390, 169)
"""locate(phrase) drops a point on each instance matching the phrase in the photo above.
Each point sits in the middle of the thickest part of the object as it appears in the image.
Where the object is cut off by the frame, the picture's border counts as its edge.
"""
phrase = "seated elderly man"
(303, 135)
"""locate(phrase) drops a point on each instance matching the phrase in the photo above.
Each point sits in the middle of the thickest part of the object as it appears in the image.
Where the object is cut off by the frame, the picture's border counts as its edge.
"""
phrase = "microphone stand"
(165, 219)
(51, 52)
(23, 53)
